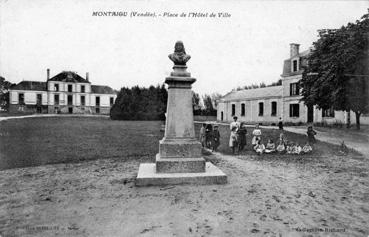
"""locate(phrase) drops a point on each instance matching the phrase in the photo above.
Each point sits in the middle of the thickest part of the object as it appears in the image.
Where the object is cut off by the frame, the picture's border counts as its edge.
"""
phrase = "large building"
(266, 105)
(66, 92)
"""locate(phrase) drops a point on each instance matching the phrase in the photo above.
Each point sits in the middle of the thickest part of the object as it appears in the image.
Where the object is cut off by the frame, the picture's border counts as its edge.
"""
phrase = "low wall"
(204, 118)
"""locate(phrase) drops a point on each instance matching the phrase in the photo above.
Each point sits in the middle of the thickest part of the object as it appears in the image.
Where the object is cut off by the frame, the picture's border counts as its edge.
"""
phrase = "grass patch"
(39, 141)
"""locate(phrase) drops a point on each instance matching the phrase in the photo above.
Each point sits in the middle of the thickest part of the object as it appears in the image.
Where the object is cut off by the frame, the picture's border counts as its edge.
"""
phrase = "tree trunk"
(348, 125)
(357, 120)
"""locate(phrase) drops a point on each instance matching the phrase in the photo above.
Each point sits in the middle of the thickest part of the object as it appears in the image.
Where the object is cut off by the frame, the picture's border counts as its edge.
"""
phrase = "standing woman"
(234, 126)
(202, 134)
(242, 136)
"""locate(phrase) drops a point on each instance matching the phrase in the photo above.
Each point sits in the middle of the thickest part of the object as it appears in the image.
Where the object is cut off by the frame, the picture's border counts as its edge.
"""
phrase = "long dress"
(233, 137)
(202, 136)
(242, 138)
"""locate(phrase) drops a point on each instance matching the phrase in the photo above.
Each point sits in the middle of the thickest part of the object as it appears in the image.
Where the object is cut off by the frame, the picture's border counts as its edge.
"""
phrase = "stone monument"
(179, 160)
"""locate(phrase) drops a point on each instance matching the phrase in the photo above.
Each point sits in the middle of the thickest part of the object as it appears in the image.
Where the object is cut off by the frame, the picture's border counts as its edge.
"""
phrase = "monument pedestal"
(179, 160)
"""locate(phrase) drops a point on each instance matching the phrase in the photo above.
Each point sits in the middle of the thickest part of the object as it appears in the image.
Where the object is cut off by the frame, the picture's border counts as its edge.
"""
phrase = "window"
(70, 100)
(294, 89)
(82, 100)
(56, 99)
(97, 101)
(243, 110)
(97, 110)
(70, 88)
(21, 98)
(233, 109)
(82, 89)
(111, 101)
(56, 87)
(221, 116)
(294, 110)
(294, 65)
(328, 112)
(39, 99)
(261, 109)
(274, 109)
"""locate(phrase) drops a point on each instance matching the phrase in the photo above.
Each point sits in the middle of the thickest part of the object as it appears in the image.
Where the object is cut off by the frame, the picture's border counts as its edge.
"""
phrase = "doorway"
(310, 114)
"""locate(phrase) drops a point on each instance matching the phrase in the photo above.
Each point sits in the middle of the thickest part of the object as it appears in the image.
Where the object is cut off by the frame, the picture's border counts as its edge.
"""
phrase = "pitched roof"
(68, 76)
(271, 91)
(30, 85)
(287, 64)
(102, 89)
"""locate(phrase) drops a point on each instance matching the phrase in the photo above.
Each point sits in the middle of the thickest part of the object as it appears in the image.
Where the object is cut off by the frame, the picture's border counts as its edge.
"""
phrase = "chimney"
(48, 73)
(87, 76)
(294, 50)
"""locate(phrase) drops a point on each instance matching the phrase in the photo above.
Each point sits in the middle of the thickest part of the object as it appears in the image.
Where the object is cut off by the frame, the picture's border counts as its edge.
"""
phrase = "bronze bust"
(179, 57)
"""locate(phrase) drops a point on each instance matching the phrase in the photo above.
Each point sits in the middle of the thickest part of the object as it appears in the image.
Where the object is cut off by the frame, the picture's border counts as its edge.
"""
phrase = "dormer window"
(294, 65)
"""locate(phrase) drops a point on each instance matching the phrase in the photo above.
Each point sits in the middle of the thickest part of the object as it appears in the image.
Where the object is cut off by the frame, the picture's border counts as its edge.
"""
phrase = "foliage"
(140, 103)
(337, 73)
(260, 85)
(4, 93)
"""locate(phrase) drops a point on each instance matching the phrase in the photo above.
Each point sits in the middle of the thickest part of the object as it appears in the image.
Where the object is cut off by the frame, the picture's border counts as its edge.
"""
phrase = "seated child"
(270, 147)
(290, 148)
(259, 148)
(297, 149)
(307, 148)
(256, 134)
(281, 148)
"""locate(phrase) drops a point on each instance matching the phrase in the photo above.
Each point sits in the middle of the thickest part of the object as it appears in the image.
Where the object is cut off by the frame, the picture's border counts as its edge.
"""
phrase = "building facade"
(266, 105)
(66, 92)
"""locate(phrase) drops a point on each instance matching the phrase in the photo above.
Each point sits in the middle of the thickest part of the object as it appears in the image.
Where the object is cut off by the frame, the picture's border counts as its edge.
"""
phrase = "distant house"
(66, 92)
(266, 105)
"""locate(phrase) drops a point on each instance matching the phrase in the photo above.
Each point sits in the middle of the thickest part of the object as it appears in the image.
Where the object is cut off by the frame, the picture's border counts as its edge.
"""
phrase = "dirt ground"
(262, 198)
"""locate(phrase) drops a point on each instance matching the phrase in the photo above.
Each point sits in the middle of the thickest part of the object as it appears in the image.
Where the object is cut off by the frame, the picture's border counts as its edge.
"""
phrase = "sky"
(247, 47)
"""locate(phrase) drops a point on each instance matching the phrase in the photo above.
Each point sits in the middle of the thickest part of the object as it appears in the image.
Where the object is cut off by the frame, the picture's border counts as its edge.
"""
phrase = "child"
(281, 147)
(307, 148)
(259, 147)
(280, 123)
(297, 149)
(311, 133)
(256, 134)
(290, 148)
(216, 137)
(270, 147)
(208, 135)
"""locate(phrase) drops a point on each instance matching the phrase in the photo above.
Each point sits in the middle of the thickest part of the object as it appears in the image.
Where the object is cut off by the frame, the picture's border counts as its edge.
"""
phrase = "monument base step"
(147, 176)
(179, 165)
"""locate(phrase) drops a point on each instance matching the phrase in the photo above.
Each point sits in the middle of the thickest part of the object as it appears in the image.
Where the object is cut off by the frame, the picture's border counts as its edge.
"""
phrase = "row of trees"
(260, 85)
(139, 103)
(337, 74)
(207, 106)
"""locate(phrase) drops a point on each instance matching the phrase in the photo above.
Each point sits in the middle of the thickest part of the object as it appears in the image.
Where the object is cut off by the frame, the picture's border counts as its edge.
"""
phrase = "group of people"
(238, 140)
(284, 147)
(210, 136)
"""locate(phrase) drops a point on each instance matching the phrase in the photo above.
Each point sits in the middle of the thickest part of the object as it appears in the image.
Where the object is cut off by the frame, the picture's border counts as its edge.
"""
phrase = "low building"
(66, 92)
(266, 105)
